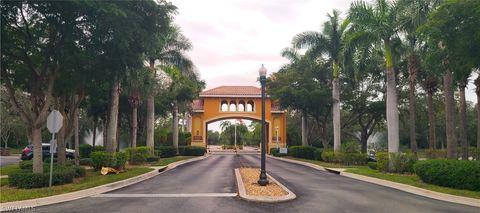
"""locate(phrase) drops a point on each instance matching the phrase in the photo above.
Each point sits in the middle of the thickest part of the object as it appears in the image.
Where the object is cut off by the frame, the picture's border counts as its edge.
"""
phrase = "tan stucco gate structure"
(236, 102)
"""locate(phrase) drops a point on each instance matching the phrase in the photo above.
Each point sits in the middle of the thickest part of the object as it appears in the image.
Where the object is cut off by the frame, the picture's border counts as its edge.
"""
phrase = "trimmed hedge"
(345, 158)
(85, 150)
(26, 164)
(400, 162)
(450, 173)
(192, 150)
(166, 151)
(139, 154)
(372, 165)
(61, 175)
(86, 161)
(100, 149)
(115, 160)
(317, 154)
(306, 152)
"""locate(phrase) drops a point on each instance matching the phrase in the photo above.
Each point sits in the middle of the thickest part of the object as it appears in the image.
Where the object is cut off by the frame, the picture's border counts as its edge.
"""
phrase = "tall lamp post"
(263, 174)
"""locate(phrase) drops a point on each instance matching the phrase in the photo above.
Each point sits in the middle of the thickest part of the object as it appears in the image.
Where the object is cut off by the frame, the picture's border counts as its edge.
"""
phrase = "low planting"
(139, 154)
(105, 159)
(345, 158)
(306, 152)
(60, 175)
(192, 150)
(91, 179)
(450, 173)
(413, 180)
(395, 162)
(86, 161)
(85, 150)
(435, 153)
(165, 151)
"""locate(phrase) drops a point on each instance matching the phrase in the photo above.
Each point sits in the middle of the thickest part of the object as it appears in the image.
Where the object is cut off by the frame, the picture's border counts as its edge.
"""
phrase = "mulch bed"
(250, 178)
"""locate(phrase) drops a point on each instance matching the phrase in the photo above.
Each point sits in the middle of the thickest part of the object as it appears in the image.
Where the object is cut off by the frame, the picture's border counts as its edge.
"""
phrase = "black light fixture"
(263, 174)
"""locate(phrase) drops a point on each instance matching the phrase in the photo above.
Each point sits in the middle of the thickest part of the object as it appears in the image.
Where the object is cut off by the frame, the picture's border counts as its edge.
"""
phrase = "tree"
(37, 40)
(168, 48)
(459, 52)
(477, 91)
(379, 23)
(414, 14)
(330, 43)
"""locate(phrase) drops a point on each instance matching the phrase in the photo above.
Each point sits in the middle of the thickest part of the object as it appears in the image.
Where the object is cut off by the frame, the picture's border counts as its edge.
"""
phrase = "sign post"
(54, 123)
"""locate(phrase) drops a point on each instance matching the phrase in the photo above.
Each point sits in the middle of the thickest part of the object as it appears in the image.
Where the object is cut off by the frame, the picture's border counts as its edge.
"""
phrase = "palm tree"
(330, 43)
(379, 23)
(477, 90)
(294, 57)
(414, 14)
(430, 85)
(169, 49)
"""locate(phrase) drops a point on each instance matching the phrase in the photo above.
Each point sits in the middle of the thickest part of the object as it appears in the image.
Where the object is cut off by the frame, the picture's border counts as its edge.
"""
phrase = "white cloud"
(232, 38)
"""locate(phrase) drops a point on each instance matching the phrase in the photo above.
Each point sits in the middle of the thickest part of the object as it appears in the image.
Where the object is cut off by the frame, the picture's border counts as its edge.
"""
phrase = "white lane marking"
(169, 195)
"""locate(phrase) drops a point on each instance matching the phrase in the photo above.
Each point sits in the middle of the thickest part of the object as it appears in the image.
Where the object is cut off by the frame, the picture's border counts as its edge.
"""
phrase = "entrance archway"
(235, 102)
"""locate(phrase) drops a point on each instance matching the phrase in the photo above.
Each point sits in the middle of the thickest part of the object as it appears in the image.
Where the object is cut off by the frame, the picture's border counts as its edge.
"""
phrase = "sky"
(233, 38)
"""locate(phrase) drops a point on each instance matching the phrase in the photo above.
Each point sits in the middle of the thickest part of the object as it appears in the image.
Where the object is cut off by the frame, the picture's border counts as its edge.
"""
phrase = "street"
(209, 186)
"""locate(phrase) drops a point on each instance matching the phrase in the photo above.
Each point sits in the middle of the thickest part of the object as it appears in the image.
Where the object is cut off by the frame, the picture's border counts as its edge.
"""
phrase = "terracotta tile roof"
(197, 105)
(232, 91)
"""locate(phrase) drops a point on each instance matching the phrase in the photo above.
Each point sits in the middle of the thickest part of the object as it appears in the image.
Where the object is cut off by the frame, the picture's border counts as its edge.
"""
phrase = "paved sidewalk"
(403, 187)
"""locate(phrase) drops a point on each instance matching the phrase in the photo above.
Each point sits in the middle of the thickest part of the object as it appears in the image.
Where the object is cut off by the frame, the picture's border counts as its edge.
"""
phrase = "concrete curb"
(399, 186)
(300, 162)
(265, 199)
(25, 204)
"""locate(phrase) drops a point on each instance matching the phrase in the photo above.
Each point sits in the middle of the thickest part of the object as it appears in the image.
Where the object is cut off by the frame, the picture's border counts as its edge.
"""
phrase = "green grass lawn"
(92, 179)
(412, 180)
(166, 161)
(7, 170)
(321, 163)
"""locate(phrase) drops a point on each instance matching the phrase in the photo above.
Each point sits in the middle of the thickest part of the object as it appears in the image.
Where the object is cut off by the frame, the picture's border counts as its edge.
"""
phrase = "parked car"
(27, 153)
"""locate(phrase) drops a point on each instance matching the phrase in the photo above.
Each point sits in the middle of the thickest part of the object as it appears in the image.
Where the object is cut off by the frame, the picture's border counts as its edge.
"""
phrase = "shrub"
(86, 161)
(400, 162)
(372, 165)
(153, 159)
(167, 151)
(382, 161)
(85, 150)
(350, 147)
(306, 152)
(100, 159)
(317, 154)
(192, 150)
(99, 149)
(26, 164)
(352, 158)
(274, 151)
(474, 153)
(436, 153)
(139, 154)
(329, 157)
(61, 175)
(120, 159)
(450, 173)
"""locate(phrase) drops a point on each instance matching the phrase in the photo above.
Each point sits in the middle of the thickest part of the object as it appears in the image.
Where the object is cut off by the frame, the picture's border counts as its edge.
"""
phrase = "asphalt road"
(7, 160)
(316, 191)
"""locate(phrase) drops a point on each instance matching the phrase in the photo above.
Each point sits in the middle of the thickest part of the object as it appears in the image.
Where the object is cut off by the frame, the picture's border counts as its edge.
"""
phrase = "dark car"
(27, 153)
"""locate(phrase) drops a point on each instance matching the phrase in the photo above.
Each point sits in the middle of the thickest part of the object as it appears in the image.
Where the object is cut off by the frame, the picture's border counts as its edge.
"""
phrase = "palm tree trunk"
(76, 138)
(463, 120)
(304, 130)
(133, 134)
(151, 114)
(477, 90)
(431, 122)
(94, 133)
(111, 143)
(175, 125)
(392, 107)
(336, 113)
(449, 116)
(412, 69)
(37, 150)
(61, 142)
